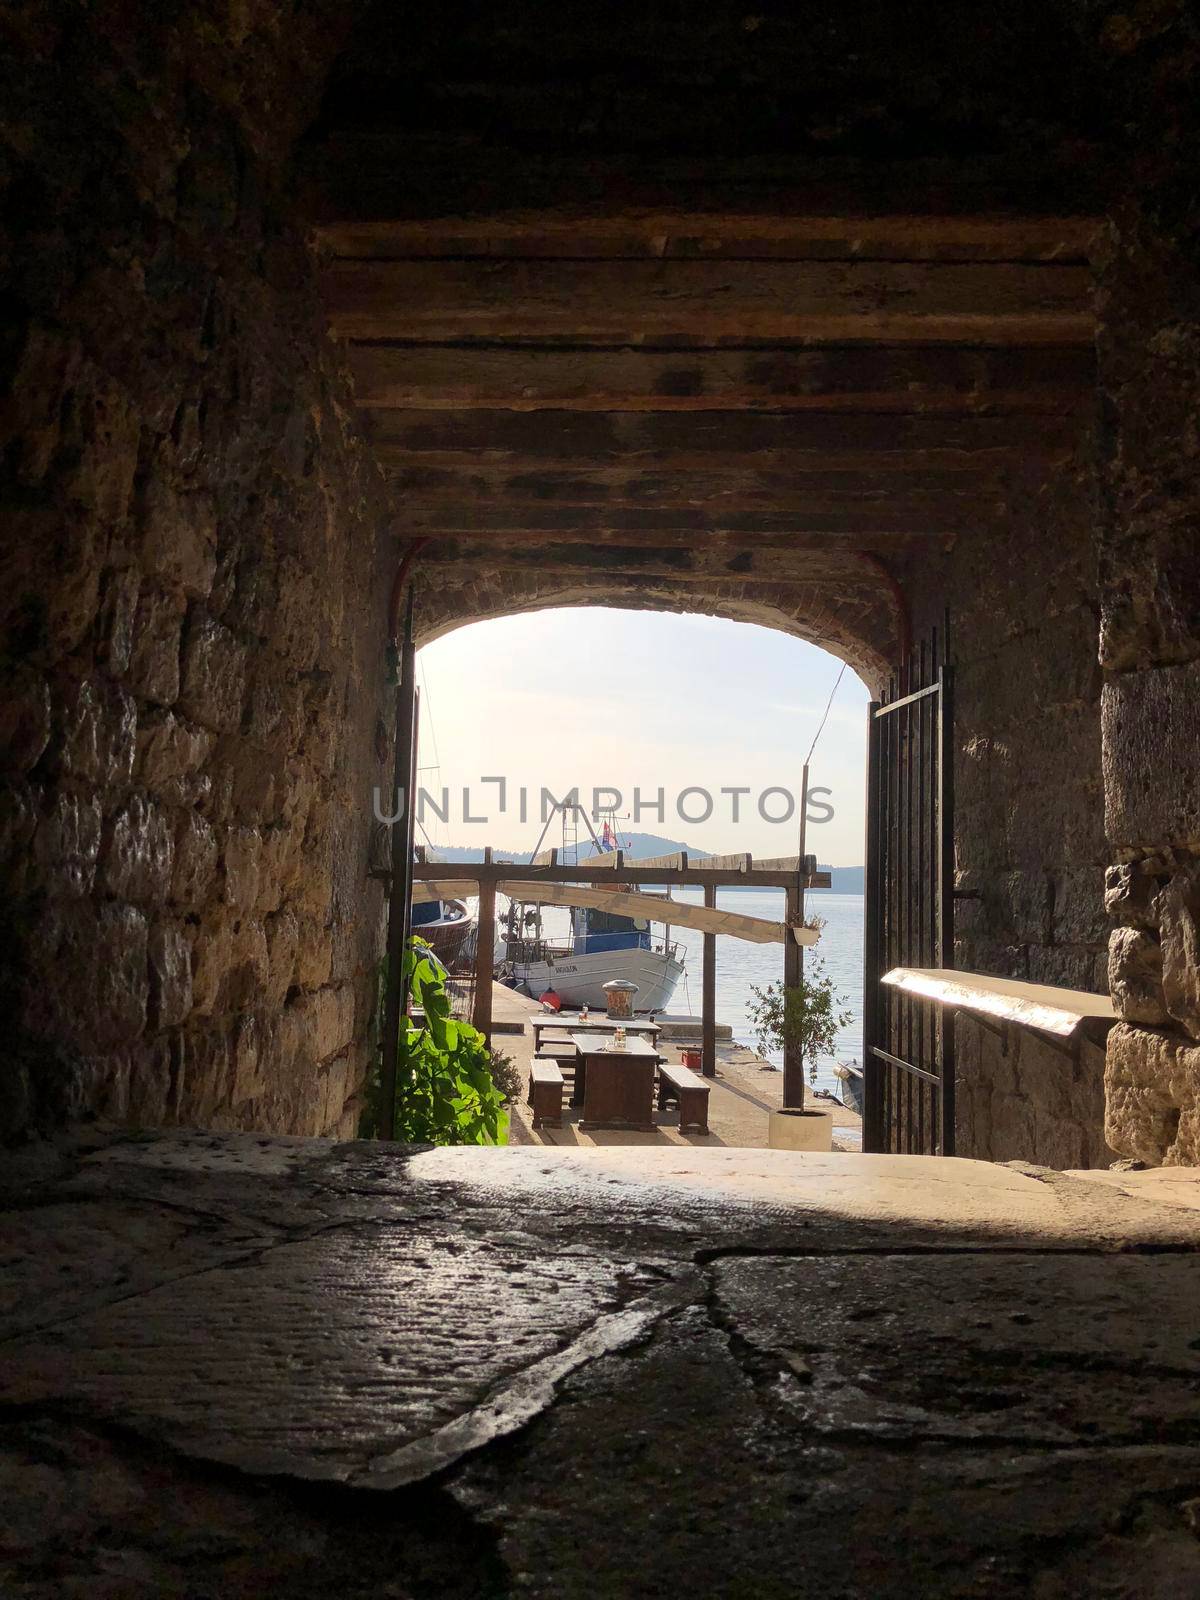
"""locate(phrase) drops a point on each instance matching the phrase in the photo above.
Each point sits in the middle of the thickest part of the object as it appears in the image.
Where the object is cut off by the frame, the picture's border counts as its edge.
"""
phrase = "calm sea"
(740, 964)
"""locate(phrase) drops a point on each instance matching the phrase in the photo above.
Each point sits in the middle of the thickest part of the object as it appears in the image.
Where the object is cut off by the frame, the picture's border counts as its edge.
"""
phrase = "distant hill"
(846, 880)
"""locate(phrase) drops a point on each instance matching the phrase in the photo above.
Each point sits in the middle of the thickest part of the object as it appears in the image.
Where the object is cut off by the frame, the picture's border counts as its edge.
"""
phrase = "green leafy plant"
(445, 1089)
(808, 1015)
(506, 1075)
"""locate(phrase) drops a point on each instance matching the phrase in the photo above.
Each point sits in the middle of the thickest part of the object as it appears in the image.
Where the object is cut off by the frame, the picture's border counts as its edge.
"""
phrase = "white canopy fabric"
(660, 908)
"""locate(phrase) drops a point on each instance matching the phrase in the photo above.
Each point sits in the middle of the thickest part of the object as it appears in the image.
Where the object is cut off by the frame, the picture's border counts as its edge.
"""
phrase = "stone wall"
(1149, 374)
(1029, 807)
(194, 568)
(1150, 648)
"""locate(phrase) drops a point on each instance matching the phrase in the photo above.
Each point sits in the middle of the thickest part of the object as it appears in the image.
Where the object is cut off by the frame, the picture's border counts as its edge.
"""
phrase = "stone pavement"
(235, 1366)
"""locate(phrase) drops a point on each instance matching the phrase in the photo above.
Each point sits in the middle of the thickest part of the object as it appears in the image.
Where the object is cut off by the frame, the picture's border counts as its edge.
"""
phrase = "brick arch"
(854, 624)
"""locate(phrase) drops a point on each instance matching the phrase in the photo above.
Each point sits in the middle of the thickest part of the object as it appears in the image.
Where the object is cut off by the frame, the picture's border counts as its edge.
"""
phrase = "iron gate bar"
(908, 1044)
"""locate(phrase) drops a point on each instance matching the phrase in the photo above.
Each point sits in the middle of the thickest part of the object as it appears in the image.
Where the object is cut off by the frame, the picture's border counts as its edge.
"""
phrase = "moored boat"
(601, 946)
(449, 926)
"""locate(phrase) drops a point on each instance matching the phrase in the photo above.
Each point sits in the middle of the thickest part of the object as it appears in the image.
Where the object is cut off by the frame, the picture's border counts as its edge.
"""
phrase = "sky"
(641, 701)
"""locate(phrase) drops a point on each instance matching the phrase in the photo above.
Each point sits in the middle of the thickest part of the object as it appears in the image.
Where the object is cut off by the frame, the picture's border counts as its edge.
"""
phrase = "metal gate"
(908, 1042)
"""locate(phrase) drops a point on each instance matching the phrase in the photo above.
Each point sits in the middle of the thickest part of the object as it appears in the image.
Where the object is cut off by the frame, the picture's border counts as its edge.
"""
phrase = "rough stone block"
(115, 624)
(1129, 891)
(154, 661)
(240, 862)
(1151, 729)
(271, 869)
(179, 536)
(1151, 1081)
(205, 1076)
(1178, 910)
(196, 856)
(327, 1018)
(1022, 913)
(249, 965)
(170, 957)
(1079, 915)
(95, 735)
(19, 817)
(298, 619)
(66, 845)
(103, 428)
(139, 852)
(150, 1080)
(25, 720)
(249, 778)
(214, 674)
(1135, 973)
(212, 954)
(248, 1082)
(47, 369)
(1150, 612)
(282, 938)
(100, 950)
(169, 748)
(336, 1086)
(1063, 966)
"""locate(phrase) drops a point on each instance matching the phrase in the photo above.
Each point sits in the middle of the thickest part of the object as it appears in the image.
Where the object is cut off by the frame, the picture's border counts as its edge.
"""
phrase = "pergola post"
(485, 942)
(793, 964)
(708, 1037)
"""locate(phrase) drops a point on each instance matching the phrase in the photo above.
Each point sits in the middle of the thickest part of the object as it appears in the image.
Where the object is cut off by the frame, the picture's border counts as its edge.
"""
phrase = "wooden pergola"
(792, 874)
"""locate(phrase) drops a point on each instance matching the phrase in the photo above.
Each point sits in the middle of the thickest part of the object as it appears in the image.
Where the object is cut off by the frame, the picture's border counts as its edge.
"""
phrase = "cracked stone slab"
(1013, 1349)
(363, 1356)
(370, 1315)
(682, 1468)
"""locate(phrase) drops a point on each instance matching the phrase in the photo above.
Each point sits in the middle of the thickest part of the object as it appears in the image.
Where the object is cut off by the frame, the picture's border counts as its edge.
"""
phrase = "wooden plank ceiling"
(673, 394)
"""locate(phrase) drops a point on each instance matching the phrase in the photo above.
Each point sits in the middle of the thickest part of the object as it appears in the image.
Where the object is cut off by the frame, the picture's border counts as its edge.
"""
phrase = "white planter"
(810, 1129)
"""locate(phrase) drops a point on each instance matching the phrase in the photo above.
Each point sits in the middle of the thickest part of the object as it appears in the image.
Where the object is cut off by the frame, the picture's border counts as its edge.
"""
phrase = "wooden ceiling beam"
(795, 487)
(698, 440)
(684, 526)
(916, 379)
(365, 174)
(658, 234)
(607, 302)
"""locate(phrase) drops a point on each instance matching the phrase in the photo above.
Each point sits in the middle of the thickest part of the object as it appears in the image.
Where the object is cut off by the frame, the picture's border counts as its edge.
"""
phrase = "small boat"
(450, 927)
(601, 946)
(850, 1076)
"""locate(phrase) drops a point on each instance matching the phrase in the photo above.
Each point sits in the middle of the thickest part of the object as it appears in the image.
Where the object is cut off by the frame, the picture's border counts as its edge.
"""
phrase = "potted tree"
(808, 1016)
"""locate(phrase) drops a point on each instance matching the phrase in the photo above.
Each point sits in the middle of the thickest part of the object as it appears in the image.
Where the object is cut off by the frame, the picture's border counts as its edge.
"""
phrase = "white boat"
(601, 946)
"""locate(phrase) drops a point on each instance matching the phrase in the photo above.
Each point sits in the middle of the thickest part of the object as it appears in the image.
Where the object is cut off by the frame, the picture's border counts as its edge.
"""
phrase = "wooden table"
(617, 1085)
(572, 1023)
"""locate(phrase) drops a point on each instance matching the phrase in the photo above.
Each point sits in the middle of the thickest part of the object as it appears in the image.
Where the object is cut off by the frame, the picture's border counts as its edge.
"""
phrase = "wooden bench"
(690, 1092)
(545, 1094)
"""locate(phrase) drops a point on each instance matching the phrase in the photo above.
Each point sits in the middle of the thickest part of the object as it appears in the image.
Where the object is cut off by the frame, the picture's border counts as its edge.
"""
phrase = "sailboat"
(602, 944)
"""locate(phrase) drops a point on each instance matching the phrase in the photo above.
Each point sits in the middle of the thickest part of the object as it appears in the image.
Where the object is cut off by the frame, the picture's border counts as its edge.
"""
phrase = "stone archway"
(853, 626)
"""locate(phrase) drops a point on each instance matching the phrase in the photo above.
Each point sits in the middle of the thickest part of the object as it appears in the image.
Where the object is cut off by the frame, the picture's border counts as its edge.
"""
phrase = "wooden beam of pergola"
(616, 302)
(912, 379)
(782, 873)
(676, 913)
